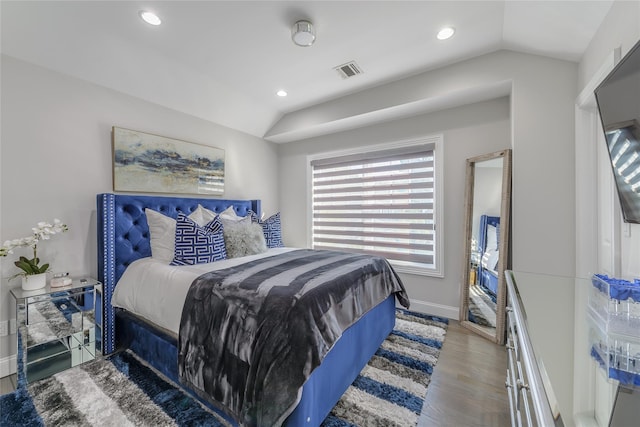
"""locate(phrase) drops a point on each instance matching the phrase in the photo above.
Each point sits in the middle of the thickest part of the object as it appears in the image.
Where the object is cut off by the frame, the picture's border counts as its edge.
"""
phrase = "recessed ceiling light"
(445, 33)
(281, 93)
(150, 17)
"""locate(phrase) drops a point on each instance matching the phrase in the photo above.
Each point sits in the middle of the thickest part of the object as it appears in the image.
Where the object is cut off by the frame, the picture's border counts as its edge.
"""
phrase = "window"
(382, 201)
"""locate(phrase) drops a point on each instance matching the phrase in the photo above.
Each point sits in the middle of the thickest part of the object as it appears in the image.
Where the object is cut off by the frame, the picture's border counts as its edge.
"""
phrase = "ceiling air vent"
(349, 69)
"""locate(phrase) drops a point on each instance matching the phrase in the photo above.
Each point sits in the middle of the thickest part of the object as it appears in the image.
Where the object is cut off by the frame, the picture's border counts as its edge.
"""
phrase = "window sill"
(415, 269)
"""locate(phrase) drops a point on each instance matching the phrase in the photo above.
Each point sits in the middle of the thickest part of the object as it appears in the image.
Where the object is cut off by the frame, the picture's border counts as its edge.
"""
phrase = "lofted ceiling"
(224, 61)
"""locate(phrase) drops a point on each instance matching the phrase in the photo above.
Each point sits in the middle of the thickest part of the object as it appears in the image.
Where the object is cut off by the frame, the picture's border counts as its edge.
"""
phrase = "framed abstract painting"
(144, 162)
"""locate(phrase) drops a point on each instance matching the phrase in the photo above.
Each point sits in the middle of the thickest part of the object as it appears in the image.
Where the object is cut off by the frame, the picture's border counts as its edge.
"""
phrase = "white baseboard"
(435, 309)
(7, 366)
(585, 420)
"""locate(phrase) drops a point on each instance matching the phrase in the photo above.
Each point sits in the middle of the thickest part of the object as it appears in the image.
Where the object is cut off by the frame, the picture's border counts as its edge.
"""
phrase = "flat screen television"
(618, 99)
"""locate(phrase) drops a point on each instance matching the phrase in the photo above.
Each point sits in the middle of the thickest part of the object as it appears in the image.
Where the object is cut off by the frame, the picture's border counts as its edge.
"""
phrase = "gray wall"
(538, 124)
(487, 194)
(56, 156)
(620, 29)
(467, 131)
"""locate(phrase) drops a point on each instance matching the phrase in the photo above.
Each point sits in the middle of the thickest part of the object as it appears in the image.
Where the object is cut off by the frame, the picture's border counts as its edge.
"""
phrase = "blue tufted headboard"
(123, 237)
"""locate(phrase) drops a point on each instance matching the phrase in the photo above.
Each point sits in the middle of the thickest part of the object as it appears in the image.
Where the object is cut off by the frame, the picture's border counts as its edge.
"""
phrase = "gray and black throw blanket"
(251, 335)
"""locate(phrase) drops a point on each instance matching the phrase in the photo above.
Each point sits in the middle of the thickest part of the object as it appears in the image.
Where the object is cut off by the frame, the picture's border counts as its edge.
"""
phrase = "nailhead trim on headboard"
(106, 273)
(123, 237)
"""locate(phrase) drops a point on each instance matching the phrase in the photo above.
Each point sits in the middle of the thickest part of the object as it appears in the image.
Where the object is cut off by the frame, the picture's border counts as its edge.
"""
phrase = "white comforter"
(156, 291)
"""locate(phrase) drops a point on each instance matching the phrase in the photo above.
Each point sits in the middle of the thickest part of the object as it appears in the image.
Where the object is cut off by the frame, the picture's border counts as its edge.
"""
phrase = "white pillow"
(492, 238)
(230, 214)
(230, 218)
(162, 233)
(490, 259)
(203, 216)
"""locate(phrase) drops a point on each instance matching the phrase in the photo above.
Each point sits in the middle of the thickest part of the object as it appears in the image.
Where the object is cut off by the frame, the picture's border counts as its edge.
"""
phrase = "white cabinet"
(532, 399)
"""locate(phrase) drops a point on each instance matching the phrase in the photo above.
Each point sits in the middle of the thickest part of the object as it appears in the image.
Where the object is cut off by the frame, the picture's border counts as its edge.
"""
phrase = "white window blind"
(379, 203)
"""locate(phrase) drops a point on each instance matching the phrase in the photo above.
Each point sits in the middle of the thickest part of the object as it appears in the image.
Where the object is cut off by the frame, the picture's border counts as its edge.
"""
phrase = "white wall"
(56, 156)
(467, 131)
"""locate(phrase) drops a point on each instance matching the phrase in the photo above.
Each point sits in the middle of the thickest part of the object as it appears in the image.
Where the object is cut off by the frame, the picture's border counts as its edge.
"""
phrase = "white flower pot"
(34, 281)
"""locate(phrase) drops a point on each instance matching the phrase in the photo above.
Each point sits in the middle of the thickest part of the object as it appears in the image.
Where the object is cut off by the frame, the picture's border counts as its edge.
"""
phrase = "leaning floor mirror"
(486, 244)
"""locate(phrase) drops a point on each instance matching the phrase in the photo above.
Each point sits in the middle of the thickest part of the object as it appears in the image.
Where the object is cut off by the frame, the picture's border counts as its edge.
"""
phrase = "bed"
(488, 239)
(123, 239)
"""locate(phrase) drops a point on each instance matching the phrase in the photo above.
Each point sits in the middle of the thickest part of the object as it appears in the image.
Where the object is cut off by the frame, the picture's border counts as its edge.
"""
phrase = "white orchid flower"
(42, 231)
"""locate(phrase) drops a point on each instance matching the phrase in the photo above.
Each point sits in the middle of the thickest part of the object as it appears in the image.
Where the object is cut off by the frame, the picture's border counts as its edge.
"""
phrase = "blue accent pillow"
(196, 244)
(271, 228)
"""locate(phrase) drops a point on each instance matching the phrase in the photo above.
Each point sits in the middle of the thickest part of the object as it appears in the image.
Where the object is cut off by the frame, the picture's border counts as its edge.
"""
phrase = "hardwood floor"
(7, 384)
(467, 387)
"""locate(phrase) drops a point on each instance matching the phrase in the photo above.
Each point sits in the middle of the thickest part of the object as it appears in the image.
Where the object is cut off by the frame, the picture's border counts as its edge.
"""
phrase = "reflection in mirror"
(486, 250)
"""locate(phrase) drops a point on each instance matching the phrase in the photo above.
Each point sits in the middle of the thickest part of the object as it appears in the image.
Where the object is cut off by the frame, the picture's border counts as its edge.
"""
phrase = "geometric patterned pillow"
(271, 228)
(198, 245)
(162, 230)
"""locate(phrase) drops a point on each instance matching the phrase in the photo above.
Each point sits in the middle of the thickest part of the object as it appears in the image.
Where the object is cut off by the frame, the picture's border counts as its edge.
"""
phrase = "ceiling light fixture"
(303, 34)
(150, 17)
(281, 93)
(446, 33)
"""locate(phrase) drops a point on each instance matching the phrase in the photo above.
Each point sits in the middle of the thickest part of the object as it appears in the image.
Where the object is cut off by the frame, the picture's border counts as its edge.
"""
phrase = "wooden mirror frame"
(504, 260)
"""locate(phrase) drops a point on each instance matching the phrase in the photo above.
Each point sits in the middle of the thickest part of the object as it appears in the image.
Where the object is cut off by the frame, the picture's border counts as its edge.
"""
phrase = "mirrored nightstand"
(58, 328)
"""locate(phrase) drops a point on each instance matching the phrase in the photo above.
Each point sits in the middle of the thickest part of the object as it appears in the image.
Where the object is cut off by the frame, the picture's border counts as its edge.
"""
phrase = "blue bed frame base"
(123, 237)
(320, 393)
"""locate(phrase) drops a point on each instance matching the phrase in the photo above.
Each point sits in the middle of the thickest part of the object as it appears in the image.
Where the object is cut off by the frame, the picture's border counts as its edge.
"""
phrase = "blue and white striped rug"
(391, 389)
(121, 391)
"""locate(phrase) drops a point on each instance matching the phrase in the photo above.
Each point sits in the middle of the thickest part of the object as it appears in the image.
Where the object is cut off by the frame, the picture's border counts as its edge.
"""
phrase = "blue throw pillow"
(198, 245)
(271, 228)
